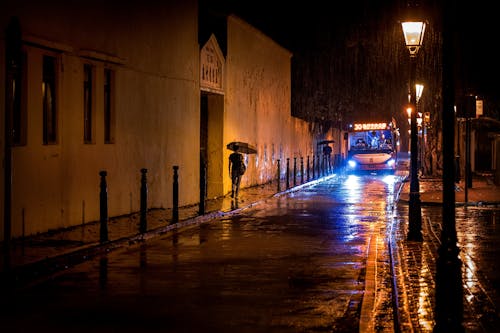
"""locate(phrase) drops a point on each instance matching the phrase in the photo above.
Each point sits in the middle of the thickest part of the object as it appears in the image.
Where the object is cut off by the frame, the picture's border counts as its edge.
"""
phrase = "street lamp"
(419, 88)
(409, 111)
(414, 34)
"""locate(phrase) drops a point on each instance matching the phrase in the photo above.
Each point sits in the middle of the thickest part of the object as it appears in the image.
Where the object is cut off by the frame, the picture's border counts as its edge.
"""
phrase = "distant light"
(409, 110)
(370, 126)
(479, 107)
(419, 88)
(352, 163)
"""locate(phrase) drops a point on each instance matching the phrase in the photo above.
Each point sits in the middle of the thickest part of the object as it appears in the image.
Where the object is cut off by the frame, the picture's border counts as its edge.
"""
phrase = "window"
(16, 91)
(109, 135)
(88, 98)
(49, 100)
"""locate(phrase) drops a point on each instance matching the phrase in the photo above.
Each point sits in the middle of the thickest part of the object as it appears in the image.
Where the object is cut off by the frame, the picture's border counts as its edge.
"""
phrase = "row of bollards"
(143, 224)
(320, 167)
(318, 170)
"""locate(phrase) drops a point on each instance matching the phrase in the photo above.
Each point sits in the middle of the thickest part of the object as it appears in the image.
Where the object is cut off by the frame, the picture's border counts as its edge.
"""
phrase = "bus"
(372, 146)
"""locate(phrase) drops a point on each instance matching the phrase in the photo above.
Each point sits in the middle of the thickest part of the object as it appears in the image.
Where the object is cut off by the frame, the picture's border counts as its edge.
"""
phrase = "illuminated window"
(109, 121)
(49, 100)
(88, 98)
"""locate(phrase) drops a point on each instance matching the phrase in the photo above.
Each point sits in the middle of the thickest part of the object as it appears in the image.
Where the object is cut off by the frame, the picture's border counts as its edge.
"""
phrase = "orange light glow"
(408, 110)
(370, 126)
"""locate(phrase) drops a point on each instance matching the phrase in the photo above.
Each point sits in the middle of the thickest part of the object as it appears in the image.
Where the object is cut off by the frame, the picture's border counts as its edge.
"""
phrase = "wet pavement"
(417, 263)
(36, 256)
(413, 264)
(300, 262)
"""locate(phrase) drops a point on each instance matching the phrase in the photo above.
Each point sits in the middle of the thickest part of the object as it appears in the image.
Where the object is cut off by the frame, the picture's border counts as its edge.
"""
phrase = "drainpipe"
(13, 61)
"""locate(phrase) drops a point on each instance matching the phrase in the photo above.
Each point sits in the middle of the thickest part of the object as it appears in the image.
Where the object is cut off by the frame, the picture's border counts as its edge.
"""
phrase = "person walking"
(236, 169)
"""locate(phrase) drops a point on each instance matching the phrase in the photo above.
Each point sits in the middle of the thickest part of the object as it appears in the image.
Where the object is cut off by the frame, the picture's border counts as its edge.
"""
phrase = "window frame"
(50, 112)
(18, 99)
(109, 105)
(89, 98)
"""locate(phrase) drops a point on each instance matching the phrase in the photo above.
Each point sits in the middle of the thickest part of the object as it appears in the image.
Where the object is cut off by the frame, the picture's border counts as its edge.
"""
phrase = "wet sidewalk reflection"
(460, 287)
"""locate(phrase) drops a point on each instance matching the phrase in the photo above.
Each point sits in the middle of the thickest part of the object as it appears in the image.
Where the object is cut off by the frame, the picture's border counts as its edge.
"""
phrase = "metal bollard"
(103, 197)
(294, 171)
(175, 196)
(143, 226)
(203, 186)
(279, 175)
(301, 170)
(287, 173)
(314, 166)
(323, 165)
(318, 165)
(307, 168)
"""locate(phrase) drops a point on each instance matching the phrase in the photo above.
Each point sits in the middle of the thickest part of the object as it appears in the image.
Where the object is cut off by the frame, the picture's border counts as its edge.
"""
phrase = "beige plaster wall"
(258, 104)
(154, 54)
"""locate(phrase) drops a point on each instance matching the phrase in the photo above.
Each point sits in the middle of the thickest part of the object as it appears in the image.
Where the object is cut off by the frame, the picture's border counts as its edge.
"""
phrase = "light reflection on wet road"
(478, 234)
(296, 263)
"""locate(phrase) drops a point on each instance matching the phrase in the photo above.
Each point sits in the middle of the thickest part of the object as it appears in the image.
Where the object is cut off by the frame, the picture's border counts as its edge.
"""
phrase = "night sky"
(310, 29)
(296, 25)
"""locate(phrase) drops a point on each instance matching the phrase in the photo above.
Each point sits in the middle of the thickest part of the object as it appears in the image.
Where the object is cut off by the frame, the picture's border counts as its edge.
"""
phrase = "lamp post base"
(415, 218)
(449, 290)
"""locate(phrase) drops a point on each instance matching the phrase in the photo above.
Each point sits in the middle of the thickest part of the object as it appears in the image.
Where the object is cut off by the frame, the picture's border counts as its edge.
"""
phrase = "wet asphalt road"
(302, 262)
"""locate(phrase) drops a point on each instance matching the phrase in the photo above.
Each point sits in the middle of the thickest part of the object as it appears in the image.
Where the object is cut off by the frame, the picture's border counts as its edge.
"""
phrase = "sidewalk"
(483, 192)
(46, 253)
(414, 264)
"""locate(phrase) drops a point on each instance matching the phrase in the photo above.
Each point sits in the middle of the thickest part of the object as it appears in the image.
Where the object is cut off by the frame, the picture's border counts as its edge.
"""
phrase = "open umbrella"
(325, 142)
(242, 147)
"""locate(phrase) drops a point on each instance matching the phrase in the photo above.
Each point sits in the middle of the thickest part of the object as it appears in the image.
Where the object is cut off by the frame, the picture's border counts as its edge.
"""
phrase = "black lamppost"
(448, 312)
(414, 34)
(419, 88)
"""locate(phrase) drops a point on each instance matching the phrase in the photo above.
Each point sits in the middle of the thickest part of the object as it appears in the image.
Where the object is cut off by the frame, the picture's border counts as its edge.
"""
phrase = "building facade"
(107, 86)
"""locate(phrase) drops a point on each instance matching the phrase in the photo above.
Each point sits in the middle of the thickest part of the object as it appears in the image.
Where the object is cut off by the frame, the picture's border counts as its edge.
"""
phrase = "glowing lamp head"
(414, 35)
(419, 88)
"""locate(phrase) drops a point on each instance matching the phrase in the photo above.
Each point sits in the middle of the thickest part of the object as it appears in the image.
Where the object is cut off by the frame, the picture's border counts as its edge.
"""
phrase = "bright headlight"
(351, 163)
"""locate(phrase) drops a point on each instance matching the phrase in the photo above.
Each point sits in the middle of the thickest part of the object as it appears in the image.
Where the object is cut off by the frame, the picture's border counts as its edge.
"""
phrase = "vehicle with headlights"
(372, 146)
